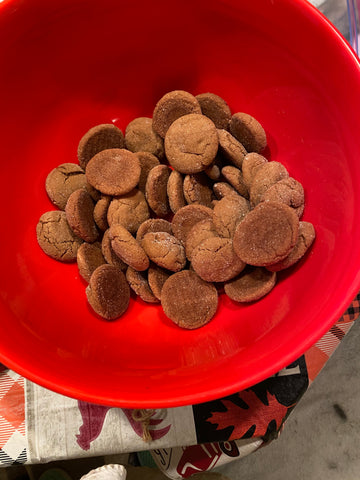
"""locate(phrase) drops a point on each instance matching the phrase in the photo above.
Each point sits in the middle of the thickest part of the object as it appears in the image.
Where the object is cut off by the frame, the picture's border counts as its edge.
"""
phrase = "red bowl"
(67, 66)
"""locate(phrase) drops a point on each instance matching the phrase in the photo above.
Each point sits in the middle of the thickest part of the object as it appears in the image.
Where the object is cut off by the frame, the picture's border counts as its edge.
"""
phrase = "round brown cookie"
(156, 190)
(267, 234)
(231, 148)
(128, 248)
(199, 232)
(172, 106)
(248, 131)
(56, 238)
(215, 108)
(108, 292)
(197, 189)
(214, 260)
(305, 239)
(175, 191)
(157, 276)
(140, 285)
(252, 284)
(189, 301)
(185, 218)
(129, 210)
(100, 212)
(251, 164)
(147, 162)
(223, 189)
(269, 174)
(213, 172)
(228, 213)
(153, 225)
(115, 171)
(89, 257)
(191, 143)
(80, 215)
(62, 181)
(234, 176)
(95, 194)
(288, 191)
(165, 250)
(98, 138)
(109, 254)
(140, 137)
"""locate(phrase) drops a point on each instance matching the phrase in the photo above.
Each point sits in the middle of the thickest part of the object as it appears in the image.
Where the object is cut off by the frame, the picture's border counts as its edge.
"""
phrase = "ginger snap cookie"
(185, 218)
(108, 292)
(157, 276)
(141, 137)
(89, 257)
(215, 108)
(100, 212)
(214, 260)
(153, 225)
(304, 241)
(98, 138)
(147, 162)
(80, 215)
(198, 233)
(252, 284)
(114, 171)
(231, 148)
(109, 254)
(175, 191)
(248, 131)
(267, 234)
(228, 213)
(156, 190)
(251, 164)
(223, 189)
(165, 250)
(269, 174)
(197, 189)
(139, 284)
(235, 178)
(129, 210)
(189, 301)
(62, 181)
(172, 106)
(56, 238)
(288, 191)
(128, 248)
(191, 143)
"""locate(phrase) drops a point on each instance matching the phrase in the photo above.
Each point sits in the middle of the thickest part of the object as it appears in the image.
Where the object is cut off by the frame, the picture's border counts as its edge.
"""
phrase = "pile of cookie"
(180, 209)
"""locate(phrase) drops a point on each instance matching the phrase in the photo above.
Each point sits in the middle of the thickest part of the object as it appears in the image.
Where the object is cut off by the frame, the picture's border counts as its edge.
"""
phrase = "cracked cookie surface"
(165, 250)
(56, 237)
(191, 143)
(172, 106)
(115, 171)
(62, 181)
(214, 260)
(267, 234)
(128, 248)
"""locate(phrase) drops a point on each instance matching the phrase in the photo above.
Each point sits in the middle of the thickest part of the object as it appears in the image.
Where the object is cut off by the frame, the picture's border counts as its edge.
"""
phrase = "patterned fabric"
(12, 418)
(185, 440)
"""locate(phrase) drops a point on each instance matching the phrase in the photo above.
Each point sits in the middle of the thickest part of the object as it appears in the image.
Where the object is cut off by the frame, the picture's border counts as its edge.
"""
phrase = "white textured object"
(106, 472)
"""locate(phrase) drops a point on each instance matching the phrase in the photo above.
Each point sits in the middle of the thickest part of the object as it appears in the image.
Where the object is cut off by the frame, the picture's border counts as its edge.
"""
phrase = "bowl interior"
(67, 66)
